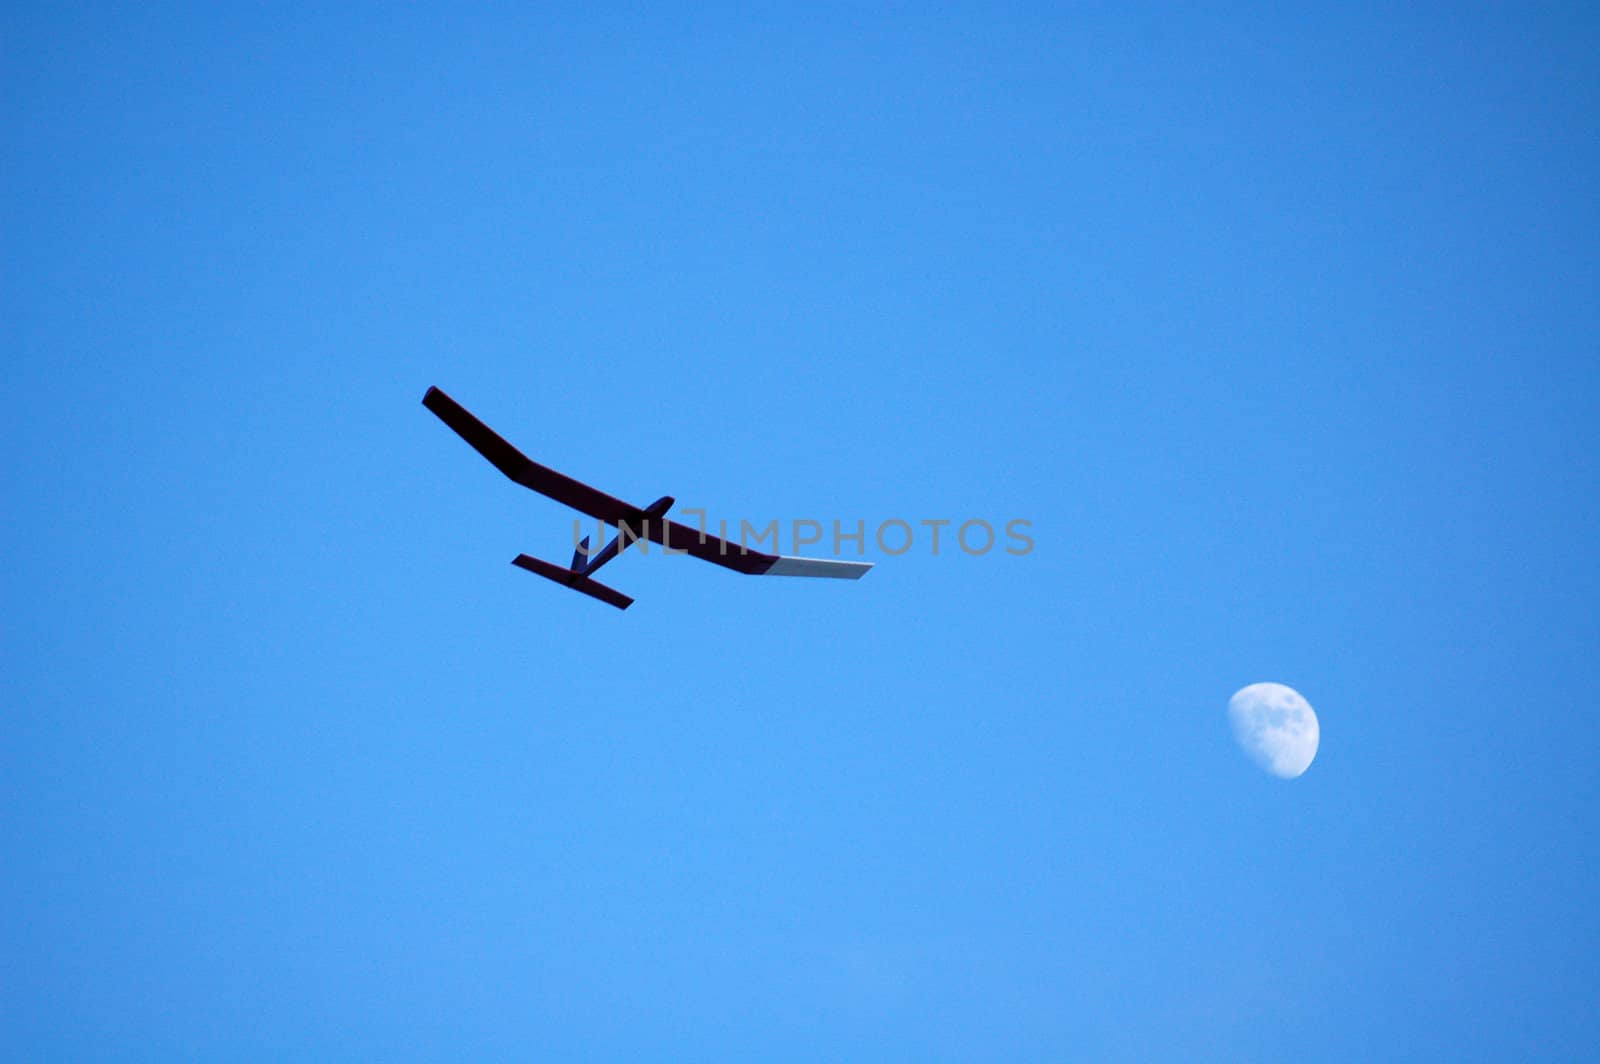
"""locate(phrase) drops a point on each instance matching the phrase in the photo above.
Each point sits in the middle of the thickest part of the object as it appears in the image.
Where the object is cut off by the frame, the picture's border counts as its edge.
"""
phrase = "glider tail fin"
(576, 581)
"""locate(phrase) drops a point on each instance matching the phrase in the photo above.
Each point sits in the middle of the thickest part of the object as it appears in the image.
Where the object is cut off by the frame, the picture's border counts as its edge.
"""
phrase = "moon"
(1276, 727)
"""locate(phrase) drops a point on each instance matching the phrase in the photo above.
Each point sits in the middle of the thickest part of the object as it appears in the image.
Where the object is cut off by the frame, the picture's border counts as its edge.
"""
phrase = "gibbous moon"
(1276, 727)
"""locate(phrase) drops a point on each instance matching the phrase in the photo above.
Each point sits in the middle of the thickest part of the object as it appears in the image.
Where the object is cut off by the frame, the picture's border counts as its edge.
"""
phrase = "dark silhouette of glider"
(633, 523)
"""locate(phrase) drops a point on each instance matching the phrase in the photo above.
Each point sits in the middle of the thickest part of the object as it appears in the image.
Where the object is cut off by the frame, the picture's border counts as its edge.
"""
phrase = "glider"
(633, 522)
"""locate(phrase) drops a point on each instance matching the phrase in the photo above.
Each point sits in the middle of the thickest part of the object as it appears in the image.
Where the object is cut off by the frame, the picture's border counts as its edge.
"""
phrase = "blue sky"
(1280, 329)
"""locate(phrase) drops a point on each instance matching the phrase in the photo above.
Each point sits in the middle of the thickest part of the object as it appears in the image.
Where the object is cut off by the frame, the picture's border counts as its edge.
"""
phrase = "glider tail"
(576, 581)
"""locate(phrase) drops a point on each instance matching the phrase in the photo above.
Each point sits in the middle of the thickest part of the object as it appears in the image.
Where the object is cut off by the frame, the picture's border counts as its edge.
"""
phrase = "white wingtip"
(790, 566)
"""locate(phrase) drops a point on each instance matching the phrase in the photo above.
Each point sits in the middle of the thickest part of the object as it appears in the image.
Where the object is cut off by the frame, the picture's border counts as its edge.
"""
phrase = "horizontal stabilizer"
(576, 581)
(790, 566)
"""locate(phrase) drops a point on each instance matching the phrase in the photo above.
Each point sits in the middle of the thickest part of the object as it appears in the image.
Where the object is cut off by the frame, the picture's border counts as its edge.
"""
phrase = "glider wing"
(524, 470)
